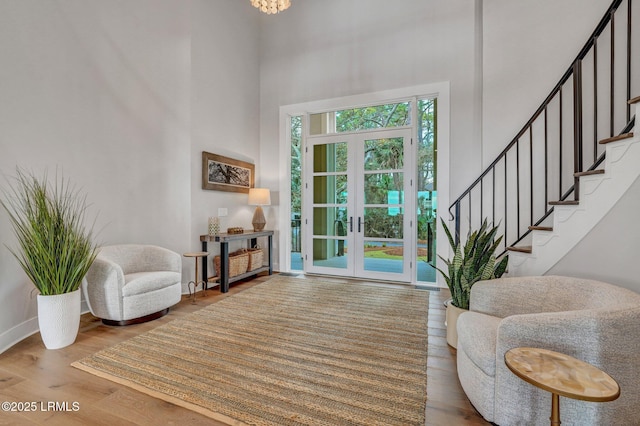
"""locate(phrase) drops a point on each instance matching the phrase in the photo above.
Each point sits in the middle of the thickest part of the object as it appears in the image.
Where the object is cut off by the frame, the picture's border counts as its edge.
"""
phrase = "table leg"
(204, 267)
(270, 246)
(195, 284)
(555, 409)
(224, 265)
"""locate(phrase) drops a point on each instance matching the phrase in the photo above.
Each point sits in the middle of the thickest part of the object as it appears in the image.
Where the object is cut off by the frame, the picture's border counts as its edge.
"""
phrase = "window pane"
(426, 186)
(383, 188)
(373, 117)
(384, 154)
(330, 189)
(383, 222)
(296, 192)
(330, 253)
(331, 157)
(383, 256)
(330, 221)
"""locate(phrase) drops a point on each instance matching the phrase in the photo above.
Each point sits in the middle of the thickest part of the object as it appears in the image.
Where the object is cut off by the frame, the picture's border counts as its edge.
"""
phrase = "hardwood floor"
(30, 373)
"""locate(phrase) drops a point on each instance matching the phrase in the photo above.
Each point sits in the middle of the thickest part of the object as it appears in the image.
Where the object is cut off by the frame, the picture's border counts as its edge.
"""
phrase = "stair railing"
(541, 164)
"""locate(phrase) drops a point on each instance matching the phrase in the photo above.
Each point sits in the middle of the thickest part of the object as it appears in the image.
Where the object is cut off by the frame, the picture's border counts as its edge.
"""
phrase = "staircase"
(572, 161)
(599, 190)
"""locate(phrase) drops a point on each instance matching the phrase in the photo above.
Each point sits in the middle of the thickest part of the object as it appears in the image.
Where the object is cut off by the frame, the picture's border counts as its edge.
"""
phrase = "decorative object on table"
(133, 283)
(235, 230)
(238, 263)
(197, 255)
(226, 174)
(586, 319)
(55, 249)
(563, 375)
(475, 262)
(259, 197)
(214, 225)
(271, 7)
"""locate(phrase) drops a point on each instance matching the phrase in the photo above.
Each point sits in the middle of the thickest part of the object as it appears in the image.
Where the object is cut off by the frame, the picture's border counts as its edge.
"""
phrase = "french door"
(359, 206)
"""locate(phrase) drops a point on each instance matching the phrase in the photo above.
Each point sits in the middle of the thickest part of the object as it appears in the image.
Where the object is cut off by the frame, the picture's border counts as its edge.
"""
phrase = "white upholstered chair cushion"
(130, 281)
(590, 320)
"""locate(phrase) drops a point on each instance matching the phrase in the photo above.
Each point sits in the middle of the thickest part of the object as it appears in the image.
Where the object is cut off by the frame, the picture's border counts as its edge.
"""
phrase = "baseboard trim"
(18, 333)
(25, 329)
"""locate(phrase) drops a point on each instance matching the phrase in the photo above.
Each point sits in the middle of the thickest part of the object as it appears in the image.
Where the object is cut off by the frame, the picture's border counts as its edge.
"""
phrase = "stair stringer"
(571, 223)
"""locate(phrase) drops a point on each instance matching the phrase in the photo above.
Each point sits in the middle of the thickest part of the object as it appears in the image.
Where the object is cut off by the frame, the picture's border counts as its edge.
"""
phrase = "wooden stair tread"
(634, 100)
(616, 138)
(541, 228)
(589, 173)
(564, 203)
(521, 249)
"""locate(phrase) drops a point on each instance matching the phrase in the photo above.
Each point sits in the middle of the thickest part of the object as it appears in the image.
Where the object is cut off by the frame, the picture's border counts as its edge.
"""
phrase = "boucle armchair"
(132, 283)
(593, 321)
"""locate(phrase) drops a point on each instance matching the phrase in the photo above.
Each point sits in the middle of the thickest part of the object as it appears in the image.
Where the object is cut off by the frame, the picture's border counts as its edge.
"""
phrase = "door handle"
(359, 223)
(350, 223)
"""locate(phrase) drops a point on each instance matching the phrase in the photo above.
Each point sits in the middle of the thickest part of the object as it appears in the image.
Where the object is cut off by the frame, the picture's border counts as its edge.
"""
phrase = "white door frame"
(440, 90)
(355, 238)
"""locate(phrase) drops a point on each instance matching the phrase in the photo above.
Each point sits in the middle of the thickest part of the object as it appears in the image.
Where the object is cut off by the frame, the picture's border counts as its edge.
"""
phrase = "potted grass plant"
(54, 249)
(473, 262)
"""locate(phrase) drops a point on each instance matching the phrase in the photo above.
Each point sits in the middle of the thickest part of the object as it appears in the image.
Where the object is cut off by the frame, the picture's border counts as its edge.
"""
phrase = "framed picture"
(226, 174)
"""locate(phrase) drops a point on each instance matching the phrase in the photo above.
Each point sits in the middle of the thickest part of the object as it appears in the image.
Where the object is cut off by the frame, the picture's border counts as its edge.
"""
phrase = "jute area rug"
(289, 351)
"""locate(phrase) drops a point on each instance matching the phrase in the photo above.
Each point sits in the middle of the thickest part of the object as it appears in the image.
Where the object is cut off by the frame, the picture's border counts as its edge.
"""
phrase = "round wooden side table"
(561, 375)
(197, 255)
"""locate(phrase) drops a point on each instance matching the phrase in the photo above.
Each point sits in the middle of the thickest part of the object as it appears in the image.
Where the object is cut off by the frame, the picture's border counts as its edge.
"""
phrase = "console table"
(224, 239)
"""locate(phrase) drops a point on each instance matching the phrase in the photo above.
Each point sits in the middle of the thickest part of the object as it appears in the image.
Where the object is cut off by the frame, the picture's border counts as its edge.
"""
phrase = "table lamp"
(259, 197)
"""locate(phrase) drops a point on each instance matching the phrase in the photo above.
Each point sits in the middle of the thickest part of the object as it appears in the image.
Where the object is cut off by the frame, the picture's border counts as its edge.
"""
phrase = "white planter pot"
(452, 314)
(59, 319)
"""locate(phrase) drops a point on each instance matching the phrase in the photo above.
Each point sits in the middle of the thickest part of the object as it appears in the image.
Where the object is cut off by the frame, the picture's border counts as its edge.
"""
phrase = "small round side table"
(197, 255)
(561, 375)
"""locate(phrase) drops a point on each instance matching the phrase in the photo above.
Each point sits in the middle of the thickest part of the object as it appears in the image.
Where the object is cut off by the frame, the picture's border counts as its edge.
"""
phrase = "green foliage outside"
(55, 250)
(381, 156)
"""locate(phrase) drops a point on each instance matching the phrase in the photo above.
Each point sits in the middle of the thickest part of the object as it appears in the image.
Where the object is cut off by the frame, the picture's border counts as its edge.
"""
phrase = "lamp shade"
(259, 197)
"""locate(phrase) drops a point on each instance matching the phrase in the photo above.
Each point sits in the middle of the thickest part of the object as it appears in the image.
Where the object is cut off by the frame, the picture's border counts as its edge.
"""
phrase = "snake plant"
(474, 262)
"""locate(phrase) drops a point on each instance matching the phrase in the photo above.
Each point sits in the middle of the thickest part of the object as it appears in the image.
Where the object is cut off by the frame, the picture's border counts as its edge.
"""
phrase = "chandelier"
(271, 6)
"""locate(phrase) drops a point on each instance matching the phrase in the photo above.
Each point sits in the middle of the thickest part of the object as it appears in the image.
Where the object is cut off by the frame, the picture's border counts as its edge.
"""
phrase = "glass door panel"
(330, 189)
(330, 157)
(330, 209)
(383, 256)
(383, 188)
(330, 253)
(426, 191)
(382, 206)
(357, 205)
(379, 222)
(384, 154)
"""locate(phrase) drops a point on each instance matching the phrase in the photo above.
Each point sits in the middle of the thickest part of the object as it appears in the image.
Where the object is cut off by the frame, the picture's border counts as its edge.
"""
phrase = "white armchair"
(131, 283)
(593, 321)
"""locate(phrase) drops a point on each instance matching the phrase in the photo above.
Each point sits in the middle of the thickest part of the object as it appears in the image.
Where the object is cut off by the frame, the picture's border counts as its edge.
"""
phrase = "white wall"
(100, 90)
(610, 251)
(123, 95)
(224, 106)
(335, 48)
(527, 47)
